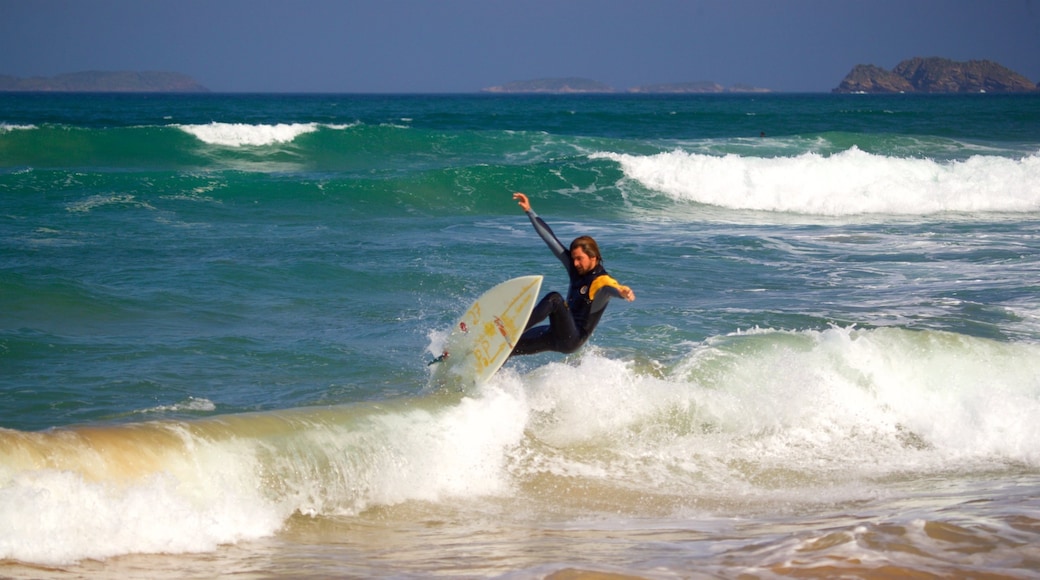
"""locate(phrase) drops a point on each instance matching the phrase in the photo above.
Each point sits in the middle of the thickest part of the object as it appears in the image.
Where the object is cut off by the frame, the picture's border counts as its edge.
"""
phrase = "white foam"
(6, 127)
(849, 183)
(772, 412)
(242, 134)
(918, 399)
(191, 404)
(462, 452)
(102, 200)
(55, 516)
(391, 456)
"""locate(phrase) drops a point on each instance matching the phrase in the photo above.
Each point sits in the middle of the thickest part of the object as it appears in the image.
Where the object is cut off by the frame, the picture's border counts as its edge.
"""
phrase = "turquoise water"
(217, 312)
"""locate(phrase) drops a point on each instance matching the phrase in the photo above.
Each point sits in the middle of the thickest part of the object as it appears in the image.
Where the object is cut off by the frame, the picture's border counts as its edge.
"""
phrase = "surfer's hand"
(626, 293)
(525, 204)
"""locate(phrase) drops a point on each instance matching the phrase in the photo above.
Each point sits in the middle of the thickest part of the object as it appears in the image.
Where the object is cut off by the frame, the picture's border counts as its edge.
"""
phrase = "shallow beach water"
(978, 532)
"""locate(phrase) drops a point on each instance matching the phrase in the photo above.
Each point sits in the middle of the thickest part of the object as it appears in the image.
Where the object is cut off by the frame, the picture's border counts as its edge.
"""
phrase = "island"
(936, 75)
(105, 82)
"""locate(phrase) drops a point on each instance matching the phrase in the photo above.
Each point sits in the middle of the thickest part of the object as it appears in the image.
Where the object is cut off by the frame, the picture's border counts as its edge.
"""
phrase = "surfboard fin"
(438, 359)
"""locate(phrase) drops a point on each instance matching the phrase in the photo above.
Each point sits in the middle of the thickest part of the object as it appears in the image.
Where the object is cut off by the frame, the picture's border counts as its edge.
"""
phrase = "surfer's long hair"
(589, 246)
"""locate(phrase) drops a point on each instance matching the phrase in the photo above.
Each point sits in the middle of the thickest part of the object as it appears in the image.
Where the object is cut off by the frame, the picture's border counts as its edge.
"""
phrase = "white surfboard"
(485, 335)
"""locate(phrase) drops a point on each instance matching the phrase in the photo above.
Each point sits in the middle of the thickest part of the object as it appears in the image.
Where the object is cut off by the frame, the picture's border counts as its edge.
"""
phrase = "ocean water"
(216, 313)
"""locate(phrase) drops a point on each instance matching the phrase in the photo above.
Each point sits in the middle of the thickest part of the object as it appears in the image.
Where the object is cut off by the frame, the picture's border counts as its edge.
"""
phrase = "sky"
(460, 46)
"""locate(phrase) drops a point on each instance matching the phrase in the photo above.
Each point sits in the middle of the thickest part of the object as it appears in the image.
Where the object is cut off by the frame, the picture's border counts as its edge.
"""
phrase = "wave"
(357, 148)
(241, 134)
(765, 415)
(822, 175)
(5, 127)
(851, 182)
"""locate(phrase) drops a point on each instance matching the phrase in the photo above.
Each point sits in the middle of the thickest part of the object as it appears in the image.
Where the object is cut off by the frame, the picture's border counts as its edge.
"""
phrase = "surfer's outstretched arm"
(558, 249)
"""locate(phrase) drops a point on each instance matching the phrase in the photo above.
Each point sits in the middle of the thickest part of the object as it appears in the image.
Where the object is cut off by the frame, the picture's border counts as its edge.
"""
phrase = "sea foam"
(241, 134)
(768, 413)
(5, 127)
(119, 491)
(852, 182)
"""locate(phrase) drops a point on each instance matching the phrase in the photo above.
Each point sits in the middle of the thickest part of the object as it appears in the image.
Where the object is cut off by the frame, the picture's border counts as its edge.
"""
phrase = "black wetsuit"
(571, 322)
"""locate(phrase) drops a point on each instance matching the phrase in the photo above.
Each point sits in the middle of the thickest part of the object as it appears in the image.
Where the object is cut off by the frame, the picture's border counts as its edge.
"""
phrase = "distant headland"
(575, 85)
(936, 75)
(105, 82)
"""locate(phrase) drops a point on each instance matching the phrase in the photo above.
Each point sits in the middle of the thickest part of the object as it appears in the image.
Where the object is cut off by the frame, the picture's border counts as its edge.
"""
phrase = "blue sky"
(437, 46)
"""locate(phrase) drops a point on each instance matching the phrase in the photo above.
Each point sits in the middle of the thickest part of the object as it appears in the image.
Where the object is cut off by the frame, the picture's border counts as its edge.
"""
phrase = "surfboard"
(482, 339)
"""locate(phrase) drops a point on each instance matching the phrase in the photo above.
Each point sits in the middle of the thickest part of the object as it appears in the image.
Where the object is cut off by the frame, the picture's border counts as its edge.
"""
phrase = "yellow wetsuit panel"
(601, 282)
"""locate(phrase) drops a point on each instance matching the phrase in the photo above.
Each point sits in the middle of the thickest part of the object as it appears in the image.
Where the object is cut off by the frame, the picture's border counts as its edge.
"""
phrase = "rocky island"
(105, 82)
(936, 75)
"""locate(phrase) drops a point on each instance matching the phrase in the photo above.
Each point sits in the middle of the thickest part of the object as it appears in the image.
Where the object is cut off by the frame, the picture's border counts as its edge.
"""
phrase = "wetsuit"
(571, 322)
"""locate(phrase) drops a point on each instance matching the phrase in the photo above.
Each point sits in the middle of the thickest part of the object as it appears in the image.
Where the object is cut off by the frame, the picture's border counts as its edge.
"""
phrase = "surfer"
(571, 321)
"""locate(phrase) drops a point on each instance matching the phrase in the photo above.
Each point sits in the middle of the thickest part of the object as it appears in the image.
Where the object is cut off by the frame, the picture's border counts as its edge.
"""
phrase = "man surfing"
(571, 321)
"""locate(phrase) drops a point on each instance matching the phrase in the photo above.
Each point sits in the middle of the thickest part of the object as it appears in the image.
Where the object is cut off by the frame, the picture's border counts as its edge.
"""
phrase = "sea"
(217, 313)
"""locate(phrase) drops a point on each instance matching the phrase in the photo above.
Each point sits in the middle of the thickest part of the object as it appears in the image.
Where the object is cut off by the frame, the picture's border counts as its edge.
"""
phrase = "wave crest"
(242, 134)
(852, 182)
